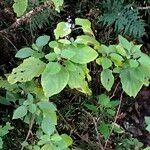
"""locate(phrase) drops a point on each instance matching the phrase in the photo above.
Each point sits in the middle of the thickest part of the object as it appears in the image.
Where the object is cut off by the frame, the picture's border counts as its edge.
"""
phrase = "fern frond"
(41, 19)
(125, 19)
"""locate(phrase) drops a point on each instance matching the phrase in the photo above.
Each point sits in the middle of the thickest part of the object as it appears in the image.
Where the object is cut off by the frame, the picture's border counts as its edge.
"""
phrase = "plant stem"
(30, 129)
(115, 120)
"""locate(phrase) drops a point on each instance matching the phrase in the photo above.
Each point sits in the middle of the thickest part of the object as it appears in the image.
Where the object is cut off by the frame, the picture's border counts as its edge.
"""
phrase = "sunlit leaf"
(30, 68)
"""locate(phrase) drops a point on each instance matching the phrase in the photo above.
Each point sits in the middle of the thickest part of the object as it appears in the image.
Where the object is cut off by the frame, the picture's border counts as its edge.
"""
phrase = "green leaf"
(111, 112)
(104, 49)
(107, 79)
(104, 130)
(47, 106)
(47, 126)
(67, 139)
(62, 30)
(24, 52)
(20, 112)
(30, 68)
(54, 83)
(58, 4)
(144, 61)
(148, 128)
(105, 62)
(5, 129)
(85, 24)
(117, 128)
(67, 54)
(121, 50)
(35, 147)
(20, 7)
(93, 108)
(77, 80)
(56, 138)
(133, 63)
(87, 40)
(32, 108)
(117, 59)
(1, 143)
(52, 68)
(130, 84)
(147, 148)
(42, 40)
(147, 120)
(125, 43)
(64, 41)
(47, 147)
(53, 44)
(51, 56)
(104, 100)
(83, 54)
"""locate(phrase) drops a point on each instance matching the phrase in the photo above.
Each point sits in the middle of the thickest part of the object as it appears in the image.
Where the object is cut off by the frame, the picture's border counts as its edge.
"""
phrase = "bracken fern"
(125, 18)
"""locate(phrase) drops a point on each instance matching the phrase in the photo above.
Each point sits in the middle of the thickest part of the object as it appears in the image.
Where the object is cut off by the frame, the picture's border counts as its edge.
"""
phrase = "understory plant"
(51, 65)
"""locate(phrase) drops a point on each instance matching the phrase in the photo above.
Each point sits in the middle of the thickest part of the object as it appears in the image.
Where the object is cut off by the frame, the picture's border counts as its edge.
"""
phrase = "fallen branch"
(25, 18)
(144, 8)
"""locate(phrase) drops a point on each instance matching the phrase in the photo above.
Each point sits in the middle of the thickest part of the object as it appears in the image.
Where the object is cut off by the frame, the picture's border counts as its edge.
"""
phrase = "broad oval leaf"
(67, 140)
(85, 24)
(20, 7)
(52, 68)
(20, 112)
(77, 80)
(42, 40)
(133, 63)
(24, 52)
(107, 79)
(51, 56)
(117, 59)
(32, 108)
(87, 40)
(47, 126)
(125, 43)
(105, 62)
(121, 50)
(83, 54)
(58, 4)
(30, 68)
(64, 41)
(54, 83)
(67, 54)
(104, 129)
(130, 83)
(46, 147)
(62, 30)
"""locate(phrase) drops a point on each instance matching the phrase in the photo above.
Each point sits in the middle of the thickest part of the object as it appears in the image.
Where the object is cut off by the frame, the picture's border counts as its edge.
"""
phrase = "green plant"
(51, 66)
(127, 60)
(4, 131)
(20, 6)
(147, 121)
(105, 110)
(125, 18)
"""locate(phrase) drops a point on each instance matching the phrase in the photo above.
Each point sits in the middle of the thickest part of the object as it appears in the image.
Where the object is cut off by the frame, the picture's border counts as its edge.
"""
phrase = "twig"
(11, 43)
(30, 130)
(144, 8)
(26, 17)
(76, 133)
(115, 120)
(115, 90)
(97, 133)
